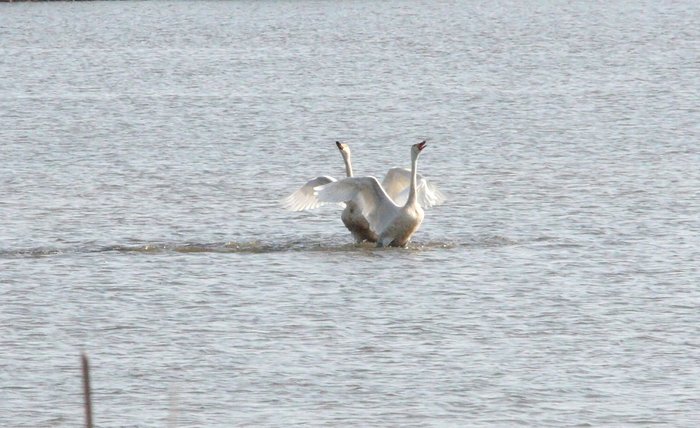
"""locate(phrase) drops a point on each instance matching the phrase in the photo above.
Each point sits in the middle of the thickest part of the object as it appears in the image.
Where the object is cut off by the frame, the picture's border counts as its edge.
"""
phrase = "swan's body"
(394, 224)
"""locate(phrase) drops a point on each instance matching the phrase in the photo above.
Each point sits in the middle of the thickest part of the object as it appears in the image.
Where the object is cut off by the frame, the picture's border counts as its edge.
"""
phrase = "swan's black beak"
(422, 145)
(339, 144)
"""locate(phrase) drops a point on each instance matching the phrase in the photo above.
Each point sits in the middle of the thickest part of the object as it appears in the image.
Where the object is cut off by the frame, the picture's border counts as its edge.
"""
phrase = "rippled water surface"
(144, 147)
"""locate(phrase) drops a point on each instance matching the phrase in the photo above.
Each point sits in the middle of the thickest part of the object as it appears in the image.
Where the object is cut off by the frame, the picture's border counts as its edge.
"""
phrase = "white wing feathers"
(429, 195)
(377, 207)
(377, 201)
(397, 183)
(305, 197)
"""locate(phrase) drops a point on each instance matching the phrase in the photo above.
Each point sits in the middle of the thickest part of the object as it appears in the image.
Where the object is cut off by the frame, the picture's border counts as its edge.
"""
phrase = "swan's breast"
(356, 223)
(404, 226)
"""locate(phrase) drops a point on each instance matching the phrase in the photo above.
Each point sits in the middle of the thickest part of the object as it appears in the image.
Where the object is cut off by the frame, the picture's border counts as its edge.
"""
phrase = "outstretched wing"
(428, 194)
(377, 207)
(397, 184)
(305, 197)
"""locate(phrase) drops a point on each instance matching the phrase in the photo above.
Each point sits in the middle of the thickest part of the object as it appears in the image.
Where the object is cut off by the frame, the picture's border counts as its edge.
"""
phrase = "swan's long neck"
(348, 164)
(414, 173)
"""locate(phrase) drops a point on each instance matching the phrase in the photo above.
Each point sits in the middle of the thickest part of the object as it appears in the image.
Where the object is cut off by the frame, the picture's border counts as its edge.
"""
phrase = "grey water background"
(144, 147)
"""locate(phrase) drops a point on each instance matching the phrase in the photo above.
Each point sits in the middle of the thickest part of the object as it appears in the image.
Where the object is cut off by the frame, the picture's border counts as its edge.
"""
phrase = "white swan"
(305, 198)
(393, 223)
(396, 183)
(352, 216)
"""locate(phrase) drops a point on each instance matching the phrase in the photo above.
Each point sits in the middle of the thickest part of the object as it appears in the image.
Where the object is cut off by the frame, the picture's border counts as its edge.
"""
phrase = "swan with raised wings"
(396, 183)
(393, 223)
(305, 198)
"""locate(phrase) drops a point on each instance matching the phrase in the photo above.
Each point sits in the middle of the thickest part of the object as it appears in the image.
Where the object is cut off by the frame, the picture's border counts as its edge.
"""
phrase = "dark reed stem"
(86, 391)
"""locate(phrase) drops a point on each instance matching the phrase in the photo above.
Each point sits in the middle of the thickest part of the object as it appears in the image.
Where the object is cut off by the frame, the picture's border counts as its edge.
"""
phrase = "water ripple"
(249, 247)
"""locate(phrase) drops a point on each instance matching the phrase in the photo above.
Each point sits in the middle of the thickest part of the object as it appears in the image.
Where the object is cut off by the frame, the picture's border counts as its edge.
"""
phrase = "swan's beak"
(422, 145)
(340, 145)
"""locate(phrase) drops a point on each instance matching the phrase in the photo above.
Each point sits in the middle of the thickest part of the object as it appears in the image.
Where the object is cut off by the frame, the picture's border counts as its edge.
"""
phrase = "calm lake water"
(144, 147)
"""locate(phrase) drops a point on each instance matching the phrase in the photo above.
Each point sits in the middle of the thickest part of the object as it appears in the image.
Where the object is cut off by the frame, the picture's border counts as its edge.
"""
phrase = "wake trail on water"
(249, 247)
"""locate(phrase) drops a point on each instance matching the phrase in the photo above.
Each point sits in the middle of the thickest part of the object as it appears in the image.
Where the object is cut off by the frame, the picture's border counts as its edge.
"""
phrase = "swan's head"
(344, 148)
(416, 148)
